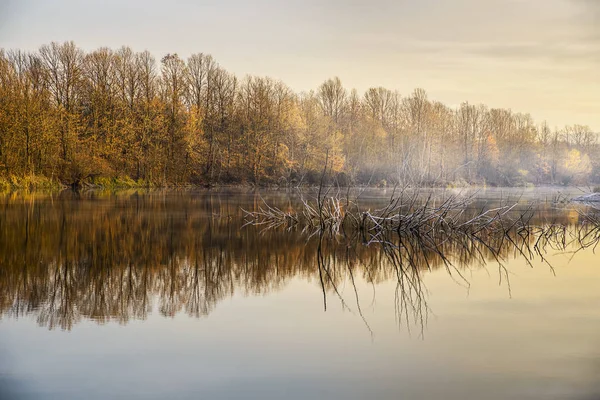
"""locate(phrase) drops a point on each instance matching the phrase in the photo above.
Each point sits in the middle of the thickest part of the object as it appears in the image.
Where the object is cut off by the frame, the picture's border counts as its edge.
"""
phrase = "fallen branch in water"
(404, 213)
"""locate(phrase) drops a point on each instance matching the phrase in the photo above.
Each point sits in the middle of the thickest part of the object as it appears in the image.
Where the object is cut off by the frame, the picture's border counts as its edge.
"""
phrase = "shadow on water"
(107, 257)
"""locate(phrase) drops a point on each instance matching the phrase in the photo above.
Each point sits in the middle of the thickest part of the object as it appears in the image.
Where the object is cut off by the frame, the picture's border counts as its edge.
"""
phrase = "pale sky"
(536, 56)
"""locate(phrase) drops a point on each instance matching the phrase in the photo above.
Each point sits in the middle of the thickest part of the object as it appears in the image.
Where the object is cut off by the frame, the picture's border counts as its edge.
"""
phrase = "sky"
(535, 56)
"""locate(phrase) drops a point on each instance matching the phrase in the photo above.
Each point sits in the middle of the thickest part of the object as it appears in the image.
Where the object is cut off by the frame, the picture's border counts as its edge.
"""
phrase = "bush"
(28, 182)
(4, 184)
(120, 182)
(458, 183)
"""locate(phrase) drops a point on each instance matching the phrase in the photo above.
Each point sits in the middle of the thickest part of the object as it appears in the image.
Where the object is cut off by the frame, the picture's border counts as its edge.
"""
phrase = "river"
(166, 294)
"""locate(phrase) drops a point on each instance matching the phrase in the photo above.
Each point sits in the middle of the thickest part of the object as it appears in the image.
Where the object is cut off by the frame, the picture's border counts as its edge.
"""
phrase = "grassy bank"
(29, 182)
(109, 183)
(41, 183)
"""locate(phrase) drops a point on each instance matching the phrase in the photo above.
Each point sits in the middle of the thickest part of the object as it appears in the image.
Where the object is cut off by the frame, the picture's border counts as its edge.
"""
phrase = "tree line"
(73, 116)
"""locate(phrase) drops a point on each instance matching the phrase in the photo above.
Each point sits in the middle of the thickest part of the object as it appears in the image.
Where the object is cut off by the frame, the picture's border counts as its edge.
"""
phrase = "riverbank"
(29, 182)
(42, 183)
(589, 198)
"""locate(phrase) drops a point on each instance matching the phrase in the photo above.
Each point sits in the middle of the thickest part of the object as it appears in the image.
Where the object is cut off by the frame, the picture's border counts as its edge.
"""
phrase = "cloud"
(591, 5)
(590, 17)
(568, 52)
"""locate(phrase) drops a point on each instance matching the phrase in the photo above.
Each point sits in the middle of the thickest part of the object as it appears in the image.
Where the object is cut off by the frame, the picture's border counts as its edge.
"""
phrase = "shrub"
(28, 182)
(119, 182)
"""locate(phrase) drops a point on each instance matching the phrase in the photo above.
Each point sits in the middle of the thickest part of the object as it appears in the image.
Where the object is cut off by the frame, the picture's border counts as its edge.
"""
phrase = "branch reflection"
(64, 259)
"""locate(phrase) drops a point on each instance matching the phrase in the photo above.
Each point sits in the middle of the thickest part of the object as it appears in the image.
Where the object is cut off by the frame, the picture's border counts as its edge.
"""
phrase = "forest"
(120, 117)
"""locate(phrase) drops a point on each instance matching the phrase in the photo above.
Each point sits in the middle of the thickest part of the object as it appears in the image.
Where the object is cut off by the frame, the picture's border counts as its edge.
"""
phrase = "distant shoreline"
(37, 184)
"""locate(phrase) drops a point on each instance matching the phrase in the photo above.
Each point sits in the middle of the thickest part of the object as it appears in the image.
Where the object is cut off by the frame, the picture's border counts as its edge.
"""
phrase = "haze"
(536, 56)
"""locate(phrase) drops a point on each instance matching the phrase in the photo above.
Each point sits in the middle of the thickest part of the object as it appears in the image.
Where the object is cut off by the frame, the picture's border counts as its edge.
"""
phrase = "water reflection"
(119, 257)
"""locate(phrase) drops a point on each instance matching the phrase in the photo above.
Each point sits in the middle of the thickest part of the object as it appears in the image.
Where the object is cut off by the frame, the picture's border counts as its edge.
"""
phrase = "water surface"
(163, 295)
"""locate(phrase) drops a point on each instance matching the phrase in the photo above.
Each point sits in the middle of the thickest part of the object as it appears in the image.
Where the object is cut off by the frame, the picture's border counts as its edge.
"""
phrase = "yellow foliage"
(577, 164)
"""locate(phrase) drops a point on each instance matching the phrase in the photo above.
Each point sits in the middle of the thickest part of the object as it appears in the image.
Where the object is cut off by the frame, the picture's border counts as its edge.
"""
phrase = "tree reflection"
(119, 258)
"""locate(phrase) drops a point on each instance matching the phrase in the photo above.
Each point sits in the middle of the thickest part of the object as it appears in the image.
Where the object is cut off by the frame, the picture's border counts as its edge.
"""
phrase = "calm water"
(162, 295)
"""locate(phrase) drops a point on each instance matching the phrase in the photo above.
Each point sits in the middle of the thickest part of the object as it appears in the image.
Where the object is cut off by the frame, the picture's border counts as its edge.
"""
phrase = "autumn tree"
(119, 114)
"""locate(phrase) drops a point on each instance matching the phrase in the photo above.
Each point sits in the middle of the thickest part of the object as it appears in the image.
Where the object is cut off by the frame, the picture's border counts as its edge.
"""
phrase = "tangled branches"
(417, 232)
(405, 213)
